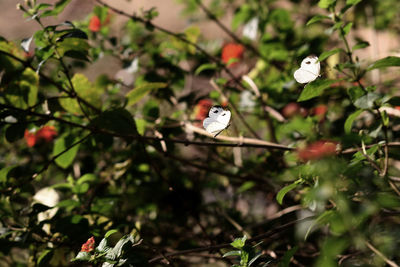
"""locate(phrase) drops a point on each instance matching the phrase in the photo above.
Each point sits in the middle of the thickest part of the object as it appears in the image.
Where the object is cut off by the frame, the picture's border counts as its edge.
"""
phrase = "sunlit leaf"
(327, 54)
(316, 18)
(314, 89)
(349, 121)
(45, 257)
(281, 194)
(385, 62)
(347, 28)
(86, 90)
(207, 66)
(360, 45)
(57, 9)
(239, 242)
(136, 94)
(352, 2)
(62, 144)
(326, 3)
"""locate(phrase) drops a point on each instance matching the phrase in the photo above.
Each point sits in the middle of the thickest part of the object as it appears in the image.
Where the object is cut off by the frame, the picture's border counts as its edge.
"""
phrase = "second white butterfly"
(308, 71)
(217, 120)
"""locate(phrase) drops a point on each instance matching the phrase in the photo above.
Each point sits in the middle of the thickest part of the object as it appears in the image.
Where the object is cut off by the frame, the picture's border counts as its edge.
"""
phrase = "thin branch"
(373, 164)
(233, 141)
(380, 254)
(240, 141)
(266, 235)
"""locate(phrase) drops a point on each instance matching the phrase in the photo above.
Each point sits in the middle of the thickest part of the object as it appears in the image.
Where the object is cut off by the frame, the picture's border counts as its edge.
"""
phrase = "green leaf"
(287, 257)
(349, 121)
(4, 173)
(366, 101)
(136, 94)
(388, 200)
(58, 8)
(110, 232)
(85, 90)
(355, 93)
(385, 62)
(87, 178)
(385, 118)
(244, 13)
(314, 89)
(245, 186)
(141, 126)
(232, 253)
(316, 18)
(42, 6)
(80, 189)
(22, 91)
(69, 204)
(118, 121)
(239, 242)
(360, 45)
(61, 144)
(281, 194)
(45, 258)
(347, 28)
(352, 2)
(326, 3)
(322, 219)
(203, 67)
(327, 54)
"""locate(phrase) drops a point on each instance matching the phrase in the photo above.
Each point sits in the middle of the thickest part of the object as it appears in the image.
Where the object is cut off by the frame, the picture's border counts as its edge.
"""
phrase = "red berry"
(89, 245)
(95, 24)
(317, 150)
(30, 138)
(46, 133)
(232, 51)
(320, 112)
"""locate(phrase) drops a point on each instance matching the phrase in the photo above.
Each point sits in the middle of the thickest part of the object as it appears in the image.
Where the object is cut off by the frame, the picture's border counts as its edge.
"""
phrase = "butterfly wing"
(213, 126)
(304, 76)
(311, 65)
(224, 118)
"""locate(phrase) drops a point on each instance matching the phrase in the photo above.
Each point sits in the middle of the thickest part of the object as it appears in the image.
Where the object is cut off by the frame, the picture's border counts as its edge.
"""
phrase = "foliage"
(308, 175)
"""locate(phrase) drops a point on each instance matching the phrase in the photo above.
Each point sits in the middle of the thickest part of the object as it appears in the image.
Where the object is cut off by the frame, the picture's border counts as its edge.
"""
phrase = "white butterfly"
(217, 120)
(308, 71)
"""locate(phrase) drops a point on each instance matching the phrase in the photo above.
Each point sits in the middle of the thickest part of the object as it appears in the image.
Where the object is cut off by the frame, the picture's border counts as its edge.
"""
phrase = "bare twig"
(380, 254)
(266, 235)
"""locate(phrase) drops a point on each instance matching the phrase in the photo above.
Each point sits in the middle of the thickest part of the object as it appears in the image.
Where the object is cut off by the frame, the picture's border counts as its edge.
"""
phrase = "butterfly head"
(216, 111)
(309, 61)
